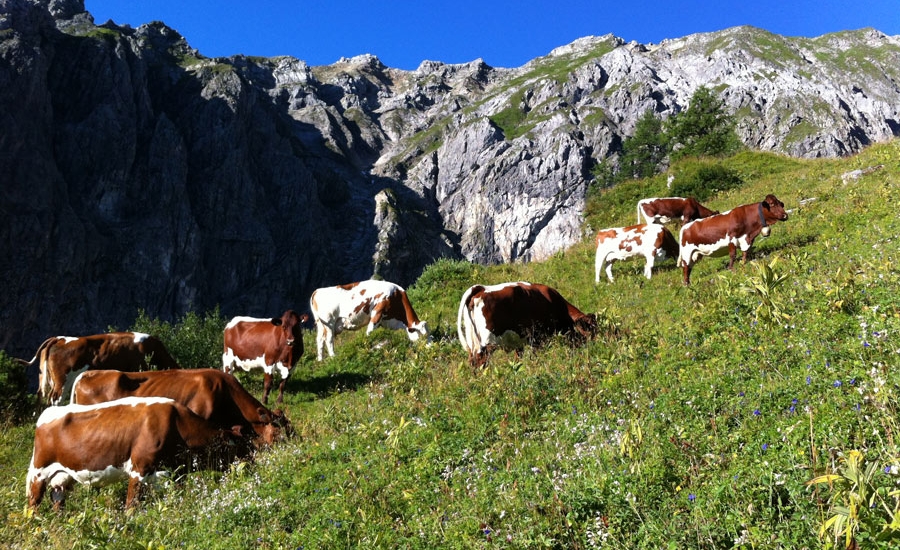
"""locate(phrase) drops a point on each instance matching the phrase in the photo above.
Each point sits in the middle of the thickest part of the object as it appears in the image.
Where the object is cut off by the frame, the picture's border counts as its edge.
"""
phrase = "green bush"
(16, 402)
(702, 179)
(194, 341)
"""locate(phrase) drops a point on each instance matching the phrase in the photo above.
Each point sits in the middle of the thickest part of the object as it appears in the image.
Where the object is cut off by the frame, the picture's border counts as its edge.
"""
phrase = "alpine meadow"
(756, 408)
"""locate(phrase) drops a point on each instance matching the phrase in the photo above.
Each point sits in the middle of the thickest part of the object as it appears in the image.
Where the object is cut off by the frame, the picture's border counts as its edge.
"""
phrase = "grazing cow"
(652, 241)
(366, 303)
(210, 393)
(667, 209)
(508, 314)
(134, 438)
(737, 227)
(266, 344)
(62, 358)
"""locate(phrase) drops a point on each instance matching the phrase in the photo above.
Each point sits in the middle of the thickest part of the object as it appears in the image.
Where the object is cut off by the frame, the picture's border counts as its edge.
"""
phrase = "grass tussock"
(755, 409)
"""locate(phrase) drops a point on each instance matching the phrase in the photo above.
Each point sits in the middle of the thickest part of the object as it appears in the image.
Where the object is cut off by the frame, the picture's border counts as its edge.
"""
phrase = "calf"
(667, 209)
(738, 227)
(652, 241)
(267, 344)
(62, 358)
(134, 438)
(212, 394)
(367, 304)
(508, 314)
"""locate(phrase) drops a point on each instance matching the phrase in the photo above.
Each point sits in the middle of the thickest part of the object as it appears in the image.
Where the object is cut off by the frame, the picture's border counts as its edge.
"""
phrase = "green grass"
(698, 426)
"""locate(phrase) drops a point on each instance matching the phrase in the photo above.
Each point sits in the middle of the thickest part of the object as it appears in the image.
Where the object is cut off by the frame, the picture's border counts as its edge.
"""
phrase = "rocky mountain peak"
(145, 176)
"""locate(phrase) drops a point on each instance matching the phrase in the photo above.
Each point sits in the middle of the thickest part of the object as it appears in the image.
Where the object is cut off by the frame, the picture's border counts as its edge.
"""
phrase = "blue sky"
(503, 33)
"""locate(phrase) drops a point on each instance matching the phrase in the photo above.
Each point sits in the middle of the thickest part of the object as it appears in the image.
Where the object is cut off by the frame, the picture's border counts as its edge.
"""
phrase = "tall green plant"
(763, 287)
(861, 508)
(644, 152)
(704, 129)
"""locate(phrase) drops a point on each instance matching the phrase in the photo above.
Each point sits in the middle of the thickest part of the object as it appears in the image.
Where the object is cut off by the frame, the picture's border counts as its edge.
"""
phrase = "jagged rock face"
(142, 175)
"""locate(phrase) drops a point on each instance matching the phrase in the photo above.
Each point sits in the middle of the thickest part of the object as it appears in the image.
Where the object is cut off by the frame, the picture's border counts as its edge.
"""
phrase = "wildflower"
(808, 380)
(866, 344)
(756, 412)
(837, 383)
(765, 446)
(741, 394)
(691, 497)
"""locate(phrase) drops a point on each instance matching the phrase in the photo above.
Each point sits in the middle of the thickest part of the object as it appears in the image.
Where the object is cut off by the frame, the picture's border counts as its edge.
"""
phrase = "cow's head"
(586, 325)
(272, 428)
(774, 208)
(291, 324)
(418, 331)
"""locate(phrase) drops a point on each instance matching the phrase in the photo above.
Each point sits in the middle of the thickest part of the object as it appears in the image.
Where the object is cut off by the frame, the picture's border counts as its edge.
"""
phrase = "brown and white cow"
(509, 315)
(62, 358)
(652, 241)
(267, 344)
(369, 304)
(738, 227)
(664, 210)
(212, 394)
(135, 439)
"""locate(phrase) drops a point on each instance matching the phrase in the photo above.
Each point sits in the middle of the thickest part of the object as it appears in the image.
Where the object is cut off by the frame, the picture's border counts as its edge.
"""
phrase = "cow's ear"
(263, 415)
(276, 321)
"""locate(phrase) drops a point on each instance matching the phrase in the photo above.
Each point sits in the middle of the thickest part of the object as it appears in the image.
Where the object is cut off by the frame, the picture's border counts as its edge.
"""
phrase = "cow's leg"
(134, 491)
(732, 252)
(648, 268)
(267, 385)
(281, 389)
(609, 271)
(36, 491)
(375, 319)
(57, 382)
(687, 273)
(599, 260)
(329, 341)
(320, 340)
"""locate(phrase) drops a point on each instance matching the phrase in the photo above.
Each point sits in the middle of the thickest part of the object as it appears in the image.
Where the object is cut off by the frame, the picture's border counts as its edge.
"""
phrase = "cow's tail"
(43, 356)
(313, 309)
(639, 211)
(465, 325)
(75, 387)
(37, 354)
(681, 248)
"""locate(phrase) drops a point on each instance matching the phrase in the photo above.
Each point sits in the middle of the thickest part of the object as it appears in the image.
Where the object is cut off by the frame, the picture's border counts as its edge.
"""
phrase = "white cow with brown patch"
(369, 304)
(652, 241)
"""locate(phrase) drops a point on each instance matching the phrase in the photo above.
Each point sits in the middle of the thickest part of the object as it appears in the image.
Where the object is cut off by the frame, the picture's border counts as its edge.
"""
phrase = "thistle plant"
(763, 288)
(860, 508)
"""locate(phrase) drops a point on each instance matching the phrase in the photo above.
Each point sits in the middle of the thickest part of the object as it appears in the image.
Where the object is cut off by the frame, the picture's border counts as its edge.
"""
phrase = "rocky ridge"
(143, 175)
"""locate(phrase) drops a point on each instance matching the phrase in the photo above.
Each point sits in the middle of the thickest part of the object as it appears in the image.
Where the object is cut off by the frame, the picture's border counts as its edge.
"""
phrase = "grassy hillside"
(698, 423)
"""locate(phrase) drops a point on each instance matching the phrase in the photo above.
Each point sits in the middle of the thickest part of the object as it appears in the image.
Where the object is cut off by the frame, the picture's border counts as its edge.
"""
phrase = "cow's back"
(521, 308)
(210, 393)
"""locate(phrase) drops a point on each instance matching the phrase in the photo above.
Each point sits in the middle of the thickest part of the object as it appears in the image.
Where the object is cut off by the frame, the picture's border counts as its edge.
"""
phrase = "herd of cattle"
(125, 422)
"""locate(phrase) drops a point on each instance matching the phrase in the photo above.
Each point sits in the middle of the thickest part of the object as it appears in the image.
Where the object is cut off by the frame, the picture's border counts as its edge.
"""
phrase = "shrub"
(702, 179)
(17, 402)
(194, 341)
